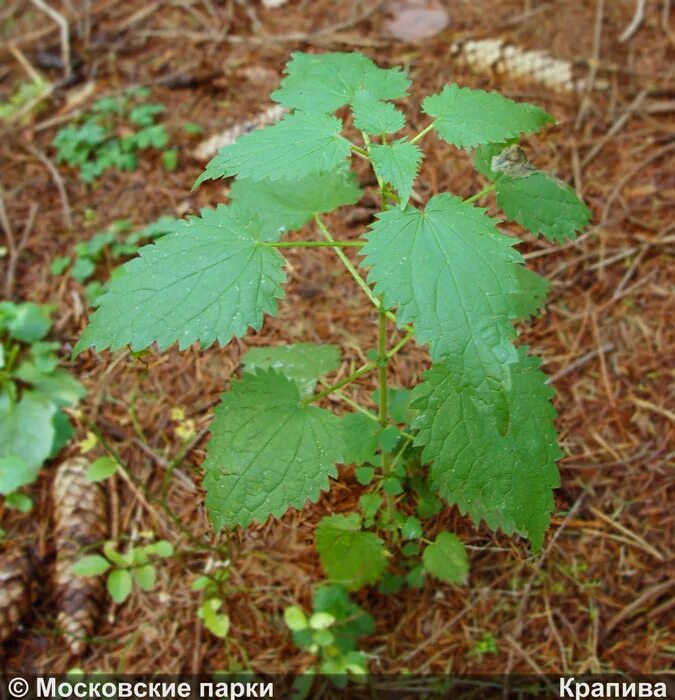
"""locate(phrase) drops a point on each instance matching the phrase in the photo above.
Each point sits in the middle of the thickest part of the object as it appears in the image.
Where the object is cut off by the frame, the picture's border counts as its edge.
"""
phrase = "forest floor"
(600, 597)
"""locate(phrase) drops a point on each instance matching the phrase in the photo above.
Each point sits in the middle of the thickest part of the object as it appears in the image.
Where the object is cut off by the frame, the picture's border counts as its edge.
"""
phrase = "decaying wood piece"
(15, 590)
(80, 521)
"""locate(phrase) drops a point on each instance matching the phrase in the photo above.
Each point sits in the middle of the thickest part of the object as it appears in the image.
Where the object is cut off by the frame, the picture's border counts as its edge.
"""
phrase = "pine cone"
(80, 519)
(15, 591)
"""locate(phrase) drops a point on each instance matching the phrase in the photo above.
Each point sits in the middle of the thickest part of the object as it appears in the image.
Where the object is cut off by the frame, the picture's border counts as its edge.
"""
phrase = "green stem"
(424, 132)
(480, 194)
(360, 151)
(313, 244)
(382, 365)
(358, 373)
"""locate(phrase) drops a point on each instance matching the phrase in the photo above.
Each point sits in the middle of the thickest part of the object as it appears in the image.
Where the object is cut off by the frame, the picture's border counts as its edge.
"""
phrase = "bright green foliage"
(207, 281)
(214, 590)
(397, 163)
(376, 117)
(299, 145)
(284, 205)
(478, 432)
(268, 451)
(101, 469)
(326, 82)
(93, 145)
(304, 363)
(351, 557)
(33, 391)
(457, 278)
(446, 559)
(136, 564)
(468, 118)
(504, 479)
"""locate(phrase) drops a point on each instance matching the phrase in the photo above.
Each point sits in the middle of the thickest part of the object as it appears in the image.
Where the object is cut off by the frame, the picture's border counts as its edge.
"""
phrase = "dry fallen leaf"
(414, 20)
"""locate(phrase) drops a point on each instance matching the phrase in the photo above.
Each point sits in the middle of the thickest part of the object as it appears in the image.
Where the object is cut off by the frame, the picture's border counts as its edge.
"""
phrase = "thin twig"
(635, 23)
(58, 181)
(580, 362)
(64, 31)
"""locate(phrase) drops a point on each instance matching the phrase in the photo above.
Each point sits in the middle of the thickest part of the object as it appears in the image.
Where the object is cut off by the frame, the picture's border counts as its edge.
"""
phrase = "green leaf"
(321, 620)
(411, 529)
(370, 504)
(102, 468)
(63, 432)
(304, 363)
(295, 618)
(268, 452)
(62, 388)
(446, 559)
(209, 280)
(14, 473)
(360, 438)
(398, 164)
(93, 565)
(161, 548)
(364, 475)
(299, 145)
(467, 118)
(399, 404)
(349, 556)
(352, 621)
(216, 623)
(29, 322)
(457, 278)
(59, 264)
(505, 478)
(325, 82)
(27, 429)
(543, 205)
(170, 160)
(284, 205)
(145, 576)
(119, 584)
(376, 117)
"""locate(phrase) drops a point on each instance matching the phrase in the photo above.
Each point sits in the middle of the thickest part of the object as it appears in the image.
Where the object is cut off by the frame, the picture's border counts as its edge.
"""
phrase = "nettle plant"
(477, 432)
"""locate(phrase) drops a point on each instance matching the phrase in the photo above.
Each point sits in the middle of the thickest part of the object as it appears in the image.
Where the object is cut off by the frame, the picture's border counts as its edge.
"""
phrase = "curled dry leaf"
(15, 591)
(80, 521)
(414, 20)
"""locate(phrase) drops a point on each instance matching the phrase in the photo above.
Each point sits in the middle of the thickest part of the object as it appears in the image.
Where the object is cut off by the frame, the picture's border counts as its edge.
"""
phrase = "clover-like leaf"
(299, 145)
(467, 118)
(210, 279)
(325, 82)
(268, 451)
(350, 556)
(502, 477)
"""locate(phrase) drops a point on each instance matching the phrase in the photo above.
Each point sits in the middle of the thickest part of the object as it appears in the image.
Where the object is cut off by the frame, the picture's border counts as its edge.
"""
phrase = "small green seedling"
(331, 633)
(111, 246)
(34, 391)
(112, 134)
(213, 588)
(477, 432)
(136, 564)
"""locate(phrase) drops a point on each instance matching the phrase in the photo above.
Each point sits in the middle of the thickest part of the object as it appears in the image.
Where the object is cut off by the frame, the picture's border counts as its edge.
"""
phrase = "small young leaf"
(304, 363)
(325, 82)
(27, 428)
(299, 145)
(59, 264)
(446, 559)
(208, 280)
(268, 452)
(392, 486)
(374, 116)
(370, 504)
(61, 387)
(321, 620)
(145, 576)
(28, 322)
(161, 548)
(504, 478)
(119, 585)
(411, 529)
(216, 623)
(364, 475)
(284, 205)
(398, 164)
(467, 118)
(399, 404)
(360, 435)
(350, 557)
(93, 565)
(102, 468)
(295, 618)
